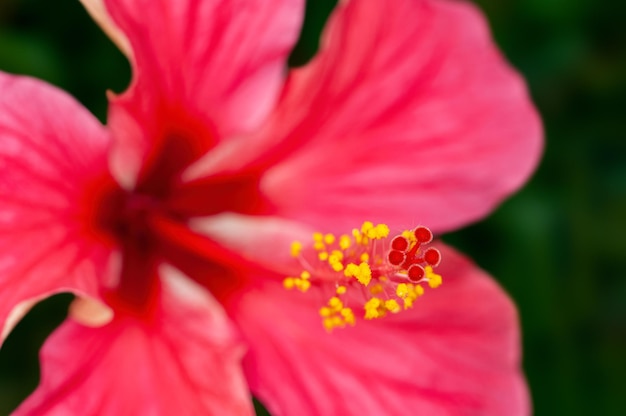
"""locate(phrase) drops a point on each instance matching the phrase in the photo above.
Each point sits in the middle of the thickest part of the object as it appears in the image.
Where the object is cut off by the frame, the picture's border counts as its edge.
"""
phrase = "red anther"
(396, 257)
(432, 256)
(423, 235)
(399, 243)
(416, 272)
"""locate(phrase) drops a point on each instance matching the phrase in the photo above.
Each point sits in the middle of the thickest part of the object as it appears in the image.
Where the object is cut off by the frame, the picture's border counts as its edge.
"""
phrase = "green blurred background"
(558, 246)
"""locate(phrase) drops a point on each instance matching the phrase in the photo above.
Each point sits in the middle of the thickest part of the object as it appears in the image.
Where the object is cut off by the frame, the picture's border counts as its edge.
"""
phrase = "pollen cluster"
(366, 270)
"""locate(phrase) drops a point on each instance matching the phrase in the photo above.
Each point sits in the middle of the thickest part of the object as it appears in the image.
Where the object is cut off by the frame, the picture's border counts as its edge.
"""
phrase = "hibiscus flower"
(173, 224)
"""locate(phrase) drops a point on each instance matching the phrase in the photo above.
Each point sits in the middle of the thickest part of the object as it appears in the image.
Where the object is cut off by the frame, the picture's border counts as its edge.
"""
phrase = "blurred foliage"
(558, 246)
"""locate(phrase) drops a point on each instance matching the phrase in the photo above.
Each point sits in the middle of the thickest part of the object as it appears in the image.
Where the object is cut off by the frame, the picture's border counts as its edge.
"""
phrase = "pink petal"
(456, 353)
(203, 70)
(50, 148)
(409, 112)
(186, 362)
(265, 241)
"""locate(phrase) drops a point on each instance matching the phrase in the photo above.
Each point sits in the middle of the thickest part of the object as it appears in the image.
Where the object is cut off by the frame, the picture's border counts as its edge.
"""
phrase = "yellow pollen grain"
(372, 308)
(337, 266)
(322, 255)
(341, 290)
(402, 290)
(381, 231)
(296, 248)
(408, 303)
(289, 283)
(365, 274)
(319, 246)
(434, 280)
(373, 303)
(302, 285)
(371, 313)
(367, 225)
(337, 253)
(336, 315)
(334, 261)
(345, 242)
(392, 306)
(351, 270)
(362, 272)
(348, 316)
(375, 232)
(328, 324)
(365, 257)
(329, 238)
(412, 291)
(305, 275)
(318, 237)
(335, 303)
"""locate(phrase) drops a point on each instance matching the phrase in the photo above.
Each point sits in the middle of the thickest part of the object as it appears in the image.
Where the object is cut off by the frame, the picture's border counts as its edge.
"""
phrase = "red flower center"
(148, 225)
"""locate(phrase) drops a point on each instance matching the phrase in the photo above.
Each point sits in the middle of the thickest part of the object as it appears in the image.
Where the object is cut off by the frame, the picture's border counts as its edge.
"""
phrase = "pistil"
(368, 269)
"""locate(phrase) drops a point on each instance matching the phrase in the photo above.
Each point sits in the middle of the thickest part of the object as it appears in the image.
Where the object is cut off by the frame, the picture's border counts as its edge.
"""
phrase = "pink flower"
(173, 223)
